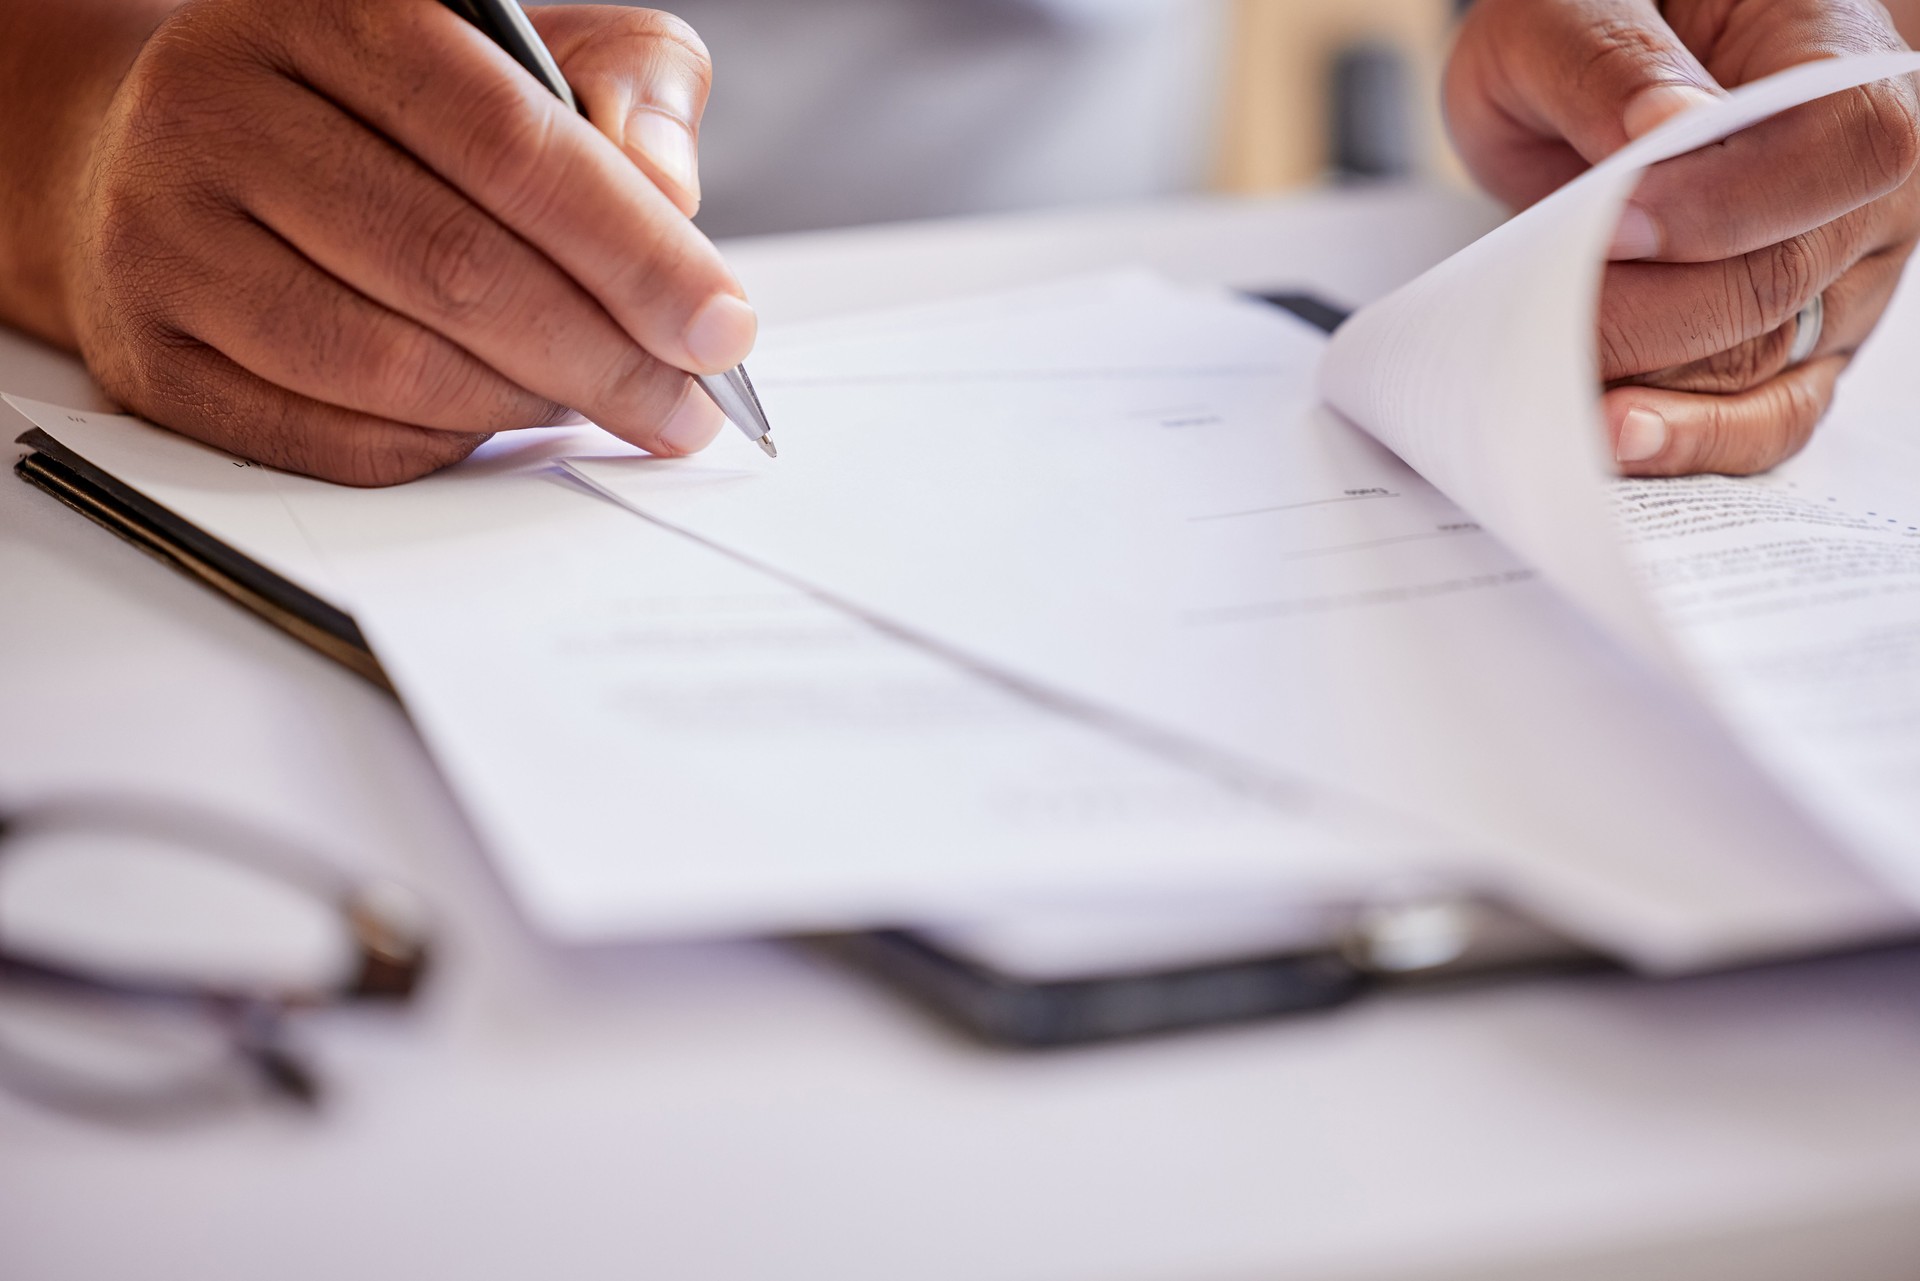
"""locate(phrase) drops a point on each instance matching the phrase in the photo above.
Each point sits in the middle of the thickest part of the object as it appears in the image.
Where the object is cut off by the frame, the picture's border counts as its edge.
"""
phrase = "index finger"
(423, 76)
(1804, 167)
(1781, 178)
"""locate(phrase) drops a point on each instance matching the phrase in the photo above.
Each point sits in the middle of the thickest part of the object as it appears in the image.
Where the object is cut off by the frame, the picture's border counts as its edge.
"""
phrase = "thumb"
(1595, 75)
(642, 78)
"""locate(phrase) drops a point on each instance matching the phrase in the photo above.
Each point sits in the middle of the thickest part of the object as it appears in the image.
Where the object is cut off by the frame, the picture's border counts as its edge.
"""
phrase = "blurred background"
(835, 112)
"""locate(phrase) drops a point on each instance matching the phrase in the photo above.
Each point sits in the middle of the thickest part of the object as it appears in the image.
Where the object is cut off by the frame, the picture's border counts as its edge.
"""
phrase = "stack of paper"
(1084, 593)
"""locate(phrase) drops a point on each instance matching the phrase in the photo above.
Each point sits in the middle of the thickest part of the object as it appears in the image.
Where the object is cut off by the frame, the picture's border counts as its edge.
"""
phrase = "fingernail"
(668, 144)
(693, 424)
(1654, 106)
(1635, 237)
(721, 333)
(1643, 434)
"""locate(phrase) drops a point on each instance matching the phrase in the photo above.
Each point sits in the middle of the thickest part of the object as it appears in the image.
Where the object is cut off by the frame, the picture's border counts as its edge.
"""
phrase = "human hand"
(1720, 250)
(352, 237)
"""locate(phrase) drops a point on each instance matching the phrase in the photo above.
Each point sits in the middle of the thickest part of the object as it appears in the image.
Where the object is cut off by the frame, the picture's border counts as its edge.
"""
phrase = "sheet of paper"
(1796, 596)
(229, 497)
(653, 739)
(1135, 500)
(1127, 505)
(1481, 373)
(1790, 604)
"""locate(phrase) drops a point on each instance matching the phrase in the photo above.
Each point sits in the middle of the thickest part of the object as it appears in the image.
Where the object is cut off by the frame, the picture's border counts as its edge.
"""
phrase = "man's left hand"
(1719, 251)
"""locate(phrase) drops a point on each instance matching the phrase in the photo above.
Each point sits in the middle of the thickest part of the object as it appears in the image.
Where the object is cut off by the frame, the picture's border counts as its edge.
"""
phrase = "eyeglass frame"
(391, 949)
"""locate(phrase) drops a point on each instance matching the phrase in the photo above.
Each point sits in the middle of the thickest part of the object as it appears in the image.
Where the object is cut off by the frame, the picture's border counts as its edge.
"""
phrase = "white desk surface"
(746, 1112)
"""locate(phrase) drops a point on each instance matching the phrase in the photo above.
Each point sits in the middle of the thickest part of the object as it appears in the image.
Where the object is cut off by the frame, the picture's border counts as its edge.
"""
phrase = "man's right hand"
(352, 237)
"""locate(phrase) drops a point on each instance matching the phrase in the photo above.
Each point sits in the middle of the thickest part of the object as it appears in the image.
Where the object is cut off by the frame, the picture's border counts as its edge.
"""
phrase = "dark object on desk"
(194, 552)
(145, 1030)
(1007, 1010)
(1312, 308)
(996, 985)
(1373, 116)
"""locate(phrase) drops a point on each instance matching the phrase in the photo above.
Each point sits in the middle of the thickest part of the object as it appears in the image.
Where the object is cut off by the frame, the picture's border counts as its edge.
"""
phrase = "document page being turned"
(1132, 498)
(1789, 603)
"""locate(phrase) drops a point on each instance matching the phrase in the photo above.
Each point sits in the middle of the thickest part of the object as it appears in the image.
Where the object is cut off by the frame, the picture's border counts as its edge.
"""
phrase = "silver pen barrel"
(733, 392)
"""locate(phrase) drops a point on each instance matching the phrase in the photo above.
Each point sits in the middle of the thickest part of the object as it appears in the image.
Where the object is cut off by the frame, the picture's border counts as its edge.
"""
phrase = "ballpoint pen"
(505, 23)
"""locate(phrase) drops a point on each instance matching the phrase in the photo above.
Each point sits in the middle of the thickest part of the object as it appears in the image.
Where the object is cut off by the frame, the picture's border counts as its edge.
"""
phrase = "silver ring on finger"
(1806, 331)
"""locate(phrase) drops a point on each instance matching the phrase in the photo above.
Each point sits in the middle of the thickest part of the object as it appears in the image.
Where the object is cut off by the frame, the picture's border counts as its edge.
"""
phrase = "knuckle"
(1646, 326)
(196, 76)
(1706, 443)
(677, 83)
(1746, 436)
(512, 148)
(140, 363)
(1739, 368)
(430, 380)
(416, 376)
(125, 234)
(398, 373)
(1801, 410)
(1888, 127)
(634, 381)
(1620, 353)
(1724, 443)
(660, 276)
(1622, 50)
(655, 24)
(1779, 279)
(644, 50)
(366, 29)
(458, 257)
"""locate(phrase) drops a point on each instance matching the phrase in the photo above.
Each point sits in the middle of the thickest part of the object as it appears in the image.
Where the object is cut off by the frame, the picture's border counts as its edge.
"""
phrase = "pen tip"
(766, 444)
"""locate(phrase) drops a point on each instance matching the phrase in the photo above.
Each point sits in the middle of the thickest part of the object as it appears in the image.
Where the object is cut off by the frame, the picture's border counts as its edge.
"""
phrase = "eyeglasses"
(151, 953)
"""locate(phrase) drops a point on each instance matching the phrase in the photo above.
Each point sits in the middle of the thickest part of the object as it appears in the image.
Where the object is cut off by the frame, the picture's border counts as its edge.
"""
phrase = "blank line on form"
(1445, 531)
(1288, 507)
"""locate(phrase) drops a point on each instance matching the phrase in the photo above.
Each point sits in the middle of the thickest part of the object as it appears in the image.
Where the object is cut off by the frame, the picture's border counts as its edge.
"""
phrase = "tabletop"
(748, 1110)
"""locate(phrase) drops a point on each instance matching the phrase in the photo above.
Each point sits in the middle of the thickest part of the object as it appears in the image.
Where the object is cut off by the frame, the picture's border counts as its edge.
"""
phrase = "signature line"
(1289, 507)
(1381, 542)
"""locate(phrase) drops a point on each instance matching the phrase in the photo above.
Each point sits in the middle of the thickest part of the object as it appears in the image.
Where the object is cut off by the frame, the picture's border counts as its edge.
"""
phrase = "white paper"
(1119, 502)
(1791, 608)
(1481, 373)
(1135, 501)
(228, 497)
(655, 740)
